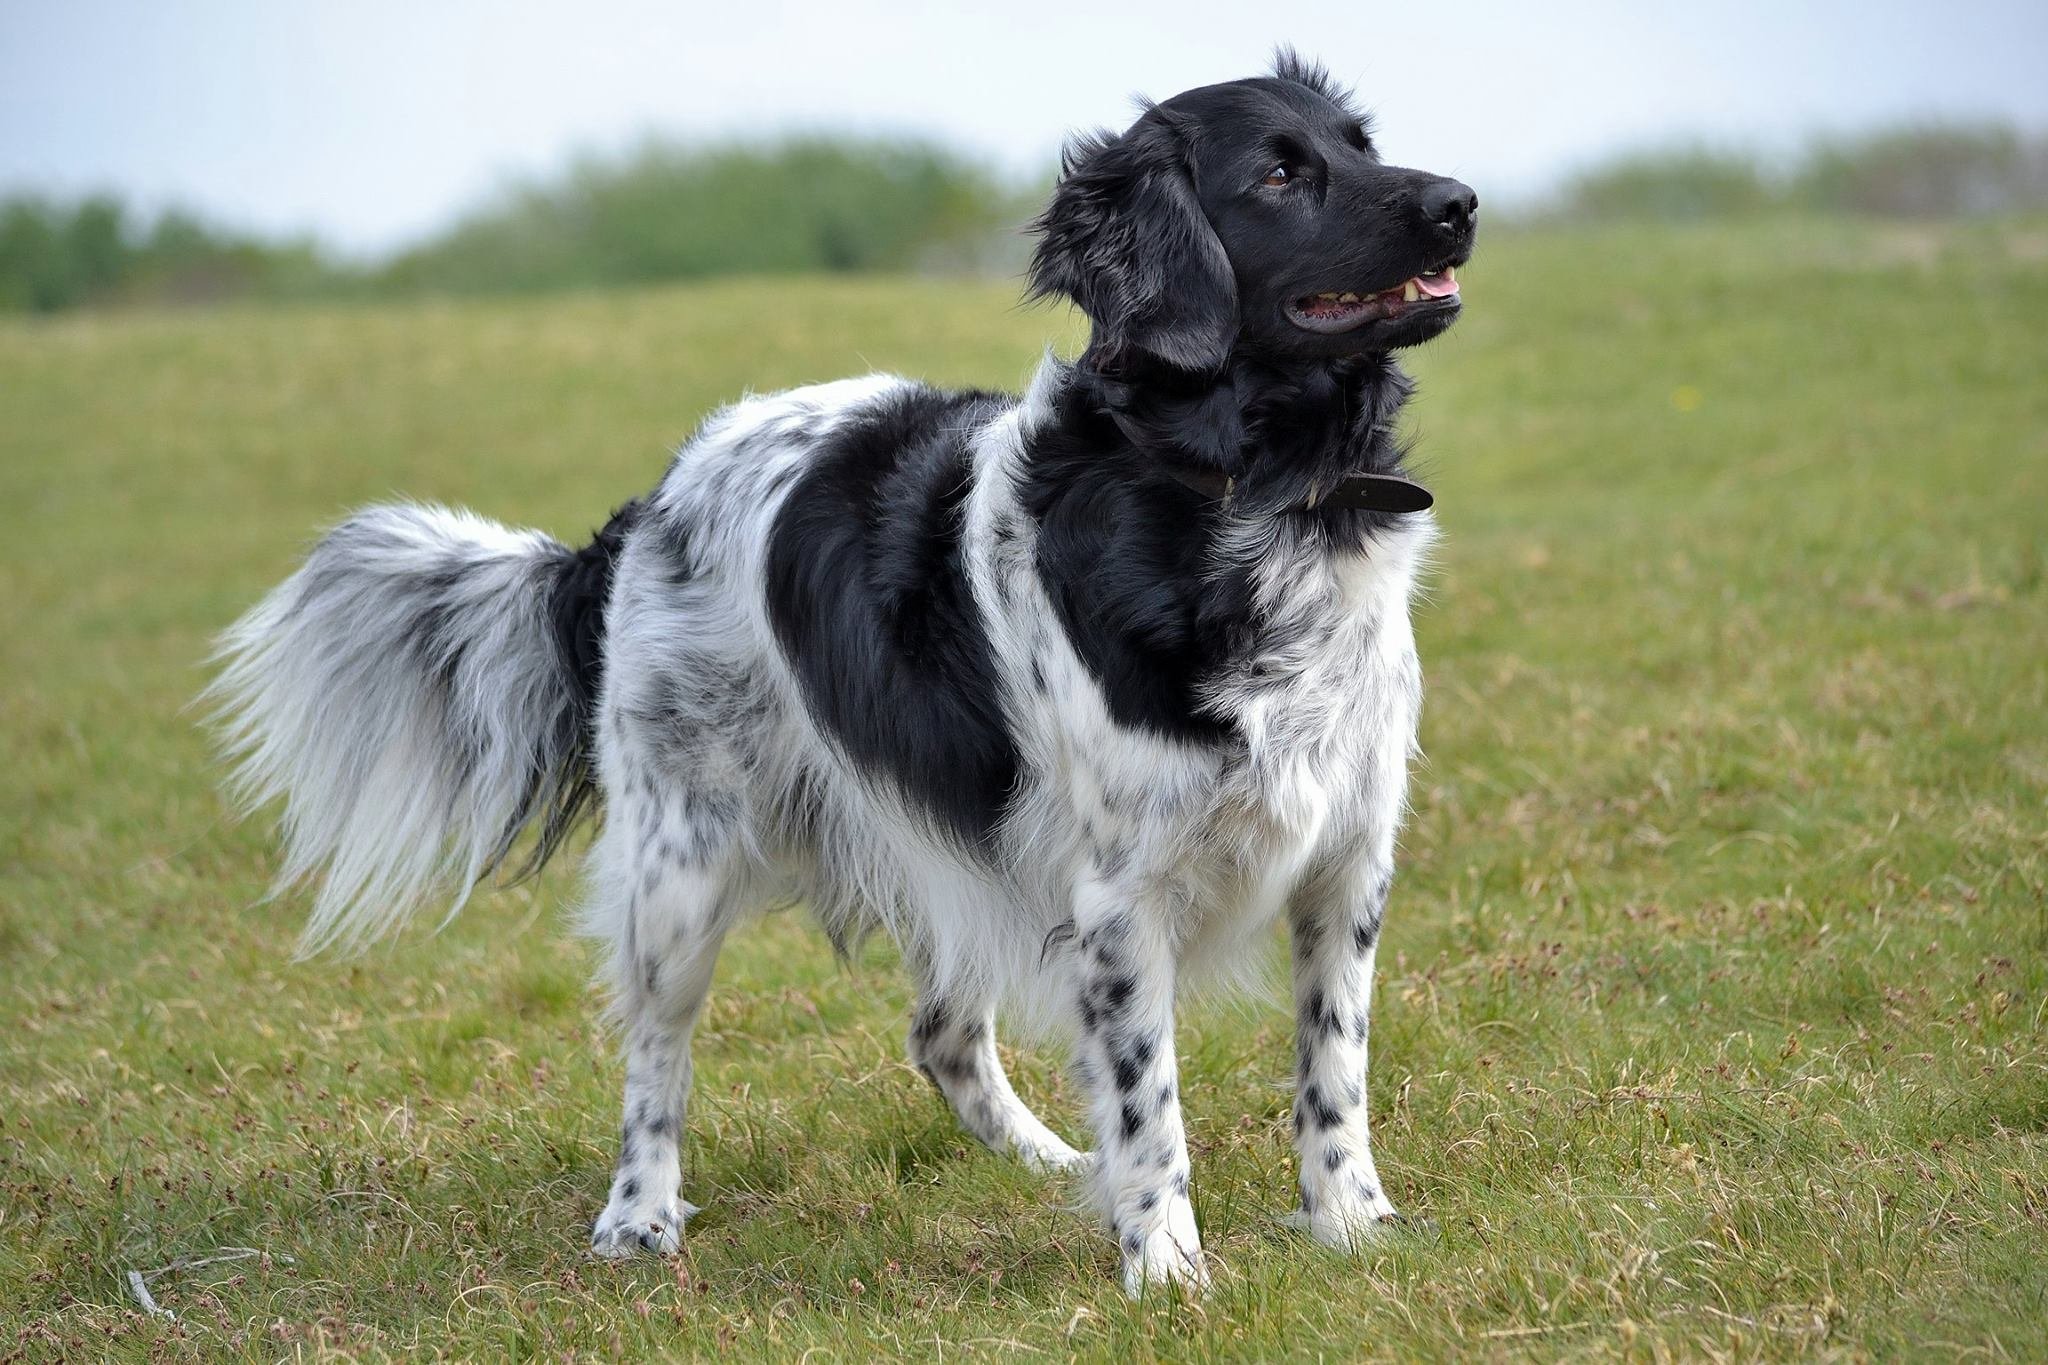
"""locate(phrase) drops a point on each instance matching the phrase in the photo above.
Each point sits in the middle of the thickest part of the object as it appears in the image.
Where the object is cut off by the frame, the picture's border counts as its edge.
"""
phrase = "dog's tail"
(418, 693)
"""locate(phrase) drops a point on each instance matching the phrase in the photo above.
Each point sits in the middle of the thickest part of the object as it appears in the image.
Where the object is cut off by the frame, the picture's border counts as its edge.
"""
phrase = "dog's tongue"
(1437, 286)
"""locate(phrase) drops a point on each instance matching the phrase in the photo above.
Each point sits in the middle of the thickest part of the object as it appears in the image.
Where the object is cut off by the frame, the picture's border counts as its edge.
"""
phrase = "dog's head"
(1252, 217)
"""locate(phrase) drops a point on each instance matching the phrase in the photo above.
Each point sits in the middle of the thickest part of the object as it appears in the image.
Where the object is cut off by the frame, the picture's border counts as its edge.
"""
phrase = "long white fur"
(394, 786)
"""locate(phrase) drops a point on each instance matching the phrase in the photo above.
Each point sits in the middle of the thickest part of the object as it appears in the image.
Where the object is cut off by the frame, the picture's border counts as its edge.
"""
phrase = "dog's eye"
(1281, 175)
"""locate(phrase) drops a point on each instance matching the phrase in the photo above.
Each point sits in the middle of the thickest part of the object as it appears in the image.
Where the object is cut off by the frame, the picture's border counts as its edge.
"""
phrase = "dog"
(1071, 694)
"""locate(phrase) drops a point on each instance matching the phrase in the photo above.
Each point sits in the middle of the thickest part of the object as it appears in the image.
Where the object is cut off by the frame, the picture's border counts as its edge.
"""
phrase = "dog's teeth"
(1347, 298)
(1409, 292)
(1450, 273)
(1331, 297)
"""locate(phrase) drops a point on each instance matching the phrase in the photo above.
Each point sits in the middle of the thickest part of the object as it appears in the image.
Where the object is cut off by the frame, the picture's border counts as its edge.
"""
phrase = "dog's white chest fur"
(1328, 710)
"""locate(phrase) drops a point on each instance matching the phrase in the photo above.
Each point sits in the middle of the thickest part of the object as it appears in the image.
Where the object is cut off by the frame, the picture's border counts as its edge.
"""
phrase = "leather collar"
(1356, 492)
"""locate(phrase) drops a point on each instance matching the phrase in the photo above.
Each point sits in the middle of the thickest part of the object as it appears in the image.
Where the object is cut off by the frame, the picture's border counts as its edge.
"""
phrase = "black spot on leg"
(1333, 1158)
(652, 975)
(1364, 934)
(630, 1191)
(1318, 1016)
(626, 1151)
(1308, 935)
(1317, 1109)
(1133, 1243)
(1111, 932)
(1180, 1185)
(1037, 676)
(1133, 1120)
(929, 1024)
(1358, 1027)
(1131, 1063)
(1148, 1201)
(1165, 1096)
(661, 1125)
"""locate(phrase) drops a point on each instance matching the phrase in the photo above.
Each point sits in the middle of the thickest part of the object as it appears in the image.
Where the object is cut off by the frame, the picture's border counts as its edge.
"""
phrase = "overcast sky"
(371, 122)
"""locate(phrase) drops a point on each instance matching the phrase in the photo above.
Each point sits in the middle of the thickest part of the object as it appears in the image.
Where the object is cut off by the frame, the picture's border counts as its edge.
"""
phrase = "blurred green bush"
(1924, 171)
(55, 256)
(668, 211)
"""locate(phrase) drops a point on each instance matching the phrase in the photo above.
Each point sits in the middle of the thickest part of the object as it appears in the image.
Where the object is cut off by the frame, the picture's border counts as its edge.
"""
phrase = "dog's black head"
(1252, 219)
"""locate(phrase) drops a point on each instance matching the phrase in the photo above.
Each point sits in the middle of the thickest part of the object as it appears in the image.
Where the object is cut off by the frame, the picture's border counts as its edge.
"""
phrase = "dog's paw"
(1355, 1225)
(627, 1229)
(1162, 1261)
(1052, 1158)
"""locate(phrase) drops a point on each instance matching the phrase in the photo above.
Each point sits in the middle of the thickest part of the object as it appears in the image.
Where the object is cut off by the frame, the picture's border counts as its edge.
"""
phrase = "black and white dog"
(1071, 695)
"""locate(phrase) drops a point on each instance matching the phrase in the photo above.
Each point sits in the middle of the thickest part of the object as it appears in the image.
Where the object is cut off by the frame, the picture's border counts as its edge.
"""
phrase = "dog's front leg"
(1336, 926)
(1124, 981)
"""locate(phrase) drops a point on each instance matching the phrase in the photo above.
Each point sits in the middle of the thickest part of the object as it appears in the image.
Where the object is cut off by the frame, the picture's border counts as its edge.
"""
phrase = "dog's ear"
(1126, 239)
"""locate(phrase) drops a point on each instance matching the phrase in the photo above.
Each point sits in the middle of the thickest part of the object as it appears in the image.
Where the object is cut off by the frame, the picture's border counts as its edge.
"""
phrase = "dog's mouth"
(1346, 311)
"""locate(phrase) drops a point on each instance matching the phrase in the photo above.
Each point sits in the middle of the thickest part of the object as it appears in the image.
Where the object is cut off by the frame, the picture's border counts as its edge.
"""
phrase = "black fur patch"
(1132, 1120)
(870, 602)
(576, 606)
(578, 585)
(1123, 552)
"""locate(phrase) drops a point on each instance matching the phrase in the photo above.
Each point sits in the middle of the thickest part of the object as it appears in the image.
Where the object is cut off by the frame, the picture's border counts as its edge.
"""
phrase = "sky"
(372, 123)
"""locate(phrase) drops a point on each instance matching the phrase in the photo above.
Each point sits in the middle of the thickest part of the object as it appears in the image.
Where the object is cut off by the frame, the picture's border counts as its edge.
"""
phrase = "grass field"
(1712, 1015)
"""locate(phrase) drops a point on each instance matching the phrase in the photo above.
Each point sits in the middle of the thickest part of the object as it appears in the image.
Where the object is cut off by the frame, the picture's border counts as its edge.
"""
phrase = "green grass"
(1712, 1016)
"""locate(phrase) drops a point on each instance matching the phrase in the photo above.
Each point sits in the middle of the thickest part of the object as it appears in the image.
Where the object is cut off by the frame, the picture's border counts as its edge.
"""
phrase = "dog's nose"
(1450, 206)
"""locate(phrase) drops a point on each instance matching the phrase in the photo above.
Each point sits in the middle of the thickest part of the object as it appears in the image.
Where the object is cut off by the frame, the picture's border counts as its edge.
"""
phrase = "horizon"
(371, 131)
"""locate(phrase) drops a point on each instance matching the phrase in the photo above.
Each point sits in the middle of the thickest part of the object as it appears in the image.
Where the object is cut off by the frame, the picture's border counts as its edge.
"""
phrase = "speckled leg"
(667, 862)
(1124, 977)
(1336, 933)
(953, 1042)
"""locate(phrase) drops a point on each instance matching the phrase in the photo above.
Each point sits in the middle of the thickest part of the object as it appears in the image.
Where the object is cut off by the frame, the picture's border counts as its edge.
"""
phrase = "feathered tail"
(418, 693)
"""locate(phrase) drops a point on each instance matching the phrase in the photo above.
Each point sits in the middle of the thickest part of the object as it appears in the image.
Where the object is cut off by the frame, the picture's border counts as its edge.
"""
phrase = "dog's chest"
(1326, 706)
(1321, 708)
(1329, 686)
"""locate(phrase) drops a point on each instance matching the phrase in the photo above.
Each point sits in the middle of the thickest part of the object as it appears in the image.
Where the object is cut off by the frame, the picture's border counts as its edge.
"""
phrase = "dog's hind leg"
(666, 881)
(953, 1042)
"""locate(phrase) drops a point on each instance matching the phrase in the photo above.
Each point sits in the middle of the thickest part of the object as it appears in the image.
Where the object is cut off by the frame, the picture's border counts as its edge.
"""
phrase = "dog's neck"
(1278, 437)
